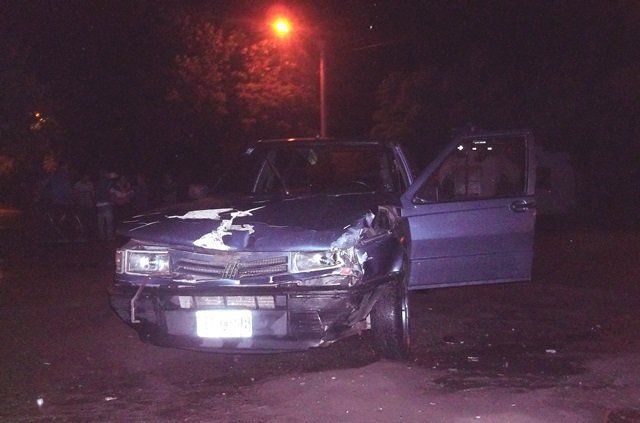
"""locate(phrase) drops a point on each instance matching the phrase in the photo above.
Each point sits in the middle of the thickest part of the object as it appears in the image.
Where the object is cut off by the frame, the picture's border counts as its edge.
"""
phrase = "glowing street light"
(282, 27)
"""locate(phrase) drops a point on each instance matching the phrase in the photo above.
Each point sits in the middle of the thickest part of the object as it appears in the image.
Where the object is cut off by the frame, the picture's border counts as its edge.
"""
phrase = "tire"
(390, 321)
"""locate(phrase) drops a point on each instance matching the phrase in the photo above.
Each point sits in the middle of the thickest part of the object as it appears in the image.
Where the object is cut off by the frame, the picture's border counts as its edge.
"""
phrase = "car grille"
(260, 302)
(229, 266)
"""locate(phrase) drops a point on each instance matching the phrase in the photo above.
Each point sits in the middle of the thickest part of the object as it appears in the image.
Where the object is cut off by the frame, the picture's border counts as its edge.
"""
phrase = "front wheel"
(390, 321)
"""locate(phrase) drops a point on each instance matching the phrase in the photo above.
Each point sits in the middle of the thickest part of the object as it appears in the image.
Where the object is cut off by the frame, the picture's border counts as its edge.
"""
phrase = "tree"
(230, 87)
(425, 106)
(28, 130)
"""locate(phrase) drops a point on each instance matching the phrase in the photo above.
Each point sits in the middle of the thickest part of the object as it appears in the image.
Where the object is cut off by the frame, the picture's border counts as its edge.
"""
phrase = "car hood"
(305, 223)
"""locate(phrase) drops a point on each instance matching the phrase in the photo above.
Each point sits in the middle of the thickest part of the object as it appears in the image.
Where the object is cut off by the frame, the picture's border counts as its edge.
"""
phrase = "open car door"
(470, 215)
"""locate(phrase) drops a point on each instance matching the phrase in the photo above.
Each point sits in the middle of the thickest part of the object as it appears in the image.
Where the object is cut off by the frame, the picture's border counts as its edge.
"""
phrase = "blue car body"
(294, 262)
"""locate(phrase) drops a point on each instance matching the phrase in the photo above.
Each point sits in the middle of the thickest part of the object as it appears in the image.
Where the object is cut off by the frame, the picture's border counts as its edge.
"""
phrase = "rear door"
(470, 215)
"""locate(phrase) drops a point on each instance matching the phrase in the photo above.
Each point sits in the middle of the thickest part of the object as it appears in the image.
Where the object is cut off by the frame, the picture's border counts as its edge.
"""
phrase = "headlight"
(319, 260)
(147, 262)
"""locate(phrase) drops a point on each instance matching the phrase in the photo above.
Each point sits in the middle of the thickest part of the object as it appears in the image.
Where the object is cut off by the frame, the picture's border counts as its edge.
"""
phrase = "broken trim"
(133, 303)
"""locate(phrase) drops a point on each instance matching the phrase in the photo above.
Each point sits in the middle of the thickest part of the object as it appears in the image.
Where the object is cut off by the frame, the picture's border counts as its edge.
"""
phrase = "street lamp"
(282, 27)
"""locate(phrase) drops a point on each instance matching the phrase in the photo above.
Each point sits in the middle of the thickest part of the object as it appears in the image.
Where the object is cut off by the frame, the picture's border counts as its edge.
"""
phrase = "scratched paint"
(213, 214)
(214, 240)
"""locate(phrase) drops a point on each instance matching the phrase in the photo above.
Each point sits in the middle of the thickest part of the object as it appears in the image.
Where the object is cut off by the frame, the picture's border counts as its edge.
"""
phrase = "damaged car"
(307, 241)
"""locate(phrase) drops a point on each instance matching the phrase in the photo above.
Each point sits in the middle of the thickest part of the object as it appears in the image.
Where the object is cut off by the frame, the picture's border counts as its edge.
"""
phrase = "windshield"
(304, 168)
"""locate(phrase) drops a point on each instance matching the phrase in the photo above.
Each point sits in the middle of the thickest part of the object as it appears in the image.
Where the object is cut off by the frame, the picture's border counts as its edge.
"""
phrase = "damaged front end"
(235, 300)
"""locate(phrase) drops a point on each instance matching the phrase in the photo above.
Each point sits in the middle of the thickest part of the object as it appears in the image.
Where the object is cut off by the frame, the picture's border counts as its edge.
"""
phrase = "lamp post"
(282, 27)
(323, 92)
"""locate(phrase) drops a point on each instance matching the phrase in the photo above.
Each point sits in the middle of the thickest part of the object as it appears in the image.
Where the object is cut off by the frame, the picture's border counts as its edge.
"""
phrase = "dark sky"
(105, 61)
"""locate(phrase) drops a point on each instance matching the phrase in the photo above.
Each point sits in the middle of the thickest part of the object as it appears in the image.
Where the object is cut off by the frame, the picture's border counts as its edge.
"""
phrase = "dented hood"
(254, 224)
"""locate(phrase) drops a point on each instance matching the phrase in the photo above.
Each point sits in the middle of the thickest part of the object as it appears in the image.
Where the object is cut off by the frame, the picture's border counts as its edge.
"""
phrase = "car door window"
(478, 168)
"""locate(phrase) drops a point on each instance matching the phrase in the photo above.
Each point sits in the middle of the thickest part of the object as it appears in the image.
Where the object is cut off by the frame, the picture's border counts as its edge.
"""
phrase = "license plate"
(223, 323)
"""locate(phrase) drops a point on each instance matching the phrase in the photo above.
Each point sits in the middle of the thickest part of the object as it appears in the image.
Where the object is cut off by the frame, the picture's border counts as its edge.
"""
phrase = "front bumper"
(283, 318)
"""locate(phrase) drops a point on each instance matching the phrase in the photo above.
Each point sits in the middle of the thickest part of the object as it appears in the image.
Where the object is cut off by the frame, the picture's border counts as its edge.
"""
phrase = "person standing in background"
(104, 208)
(141, 193)
(85, 200)
(122, 199)
(60, 192)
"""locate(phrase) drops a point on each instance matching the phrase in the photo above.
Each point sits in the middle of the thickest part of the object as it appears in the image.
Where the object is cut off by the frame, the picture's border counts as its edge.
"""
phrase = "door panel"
(471, 215)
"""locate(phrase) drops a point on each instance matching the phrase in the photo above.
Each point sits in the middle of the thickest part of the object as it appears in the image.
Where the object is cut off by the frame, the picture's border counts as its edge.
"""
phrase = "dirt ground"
(563, 348)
